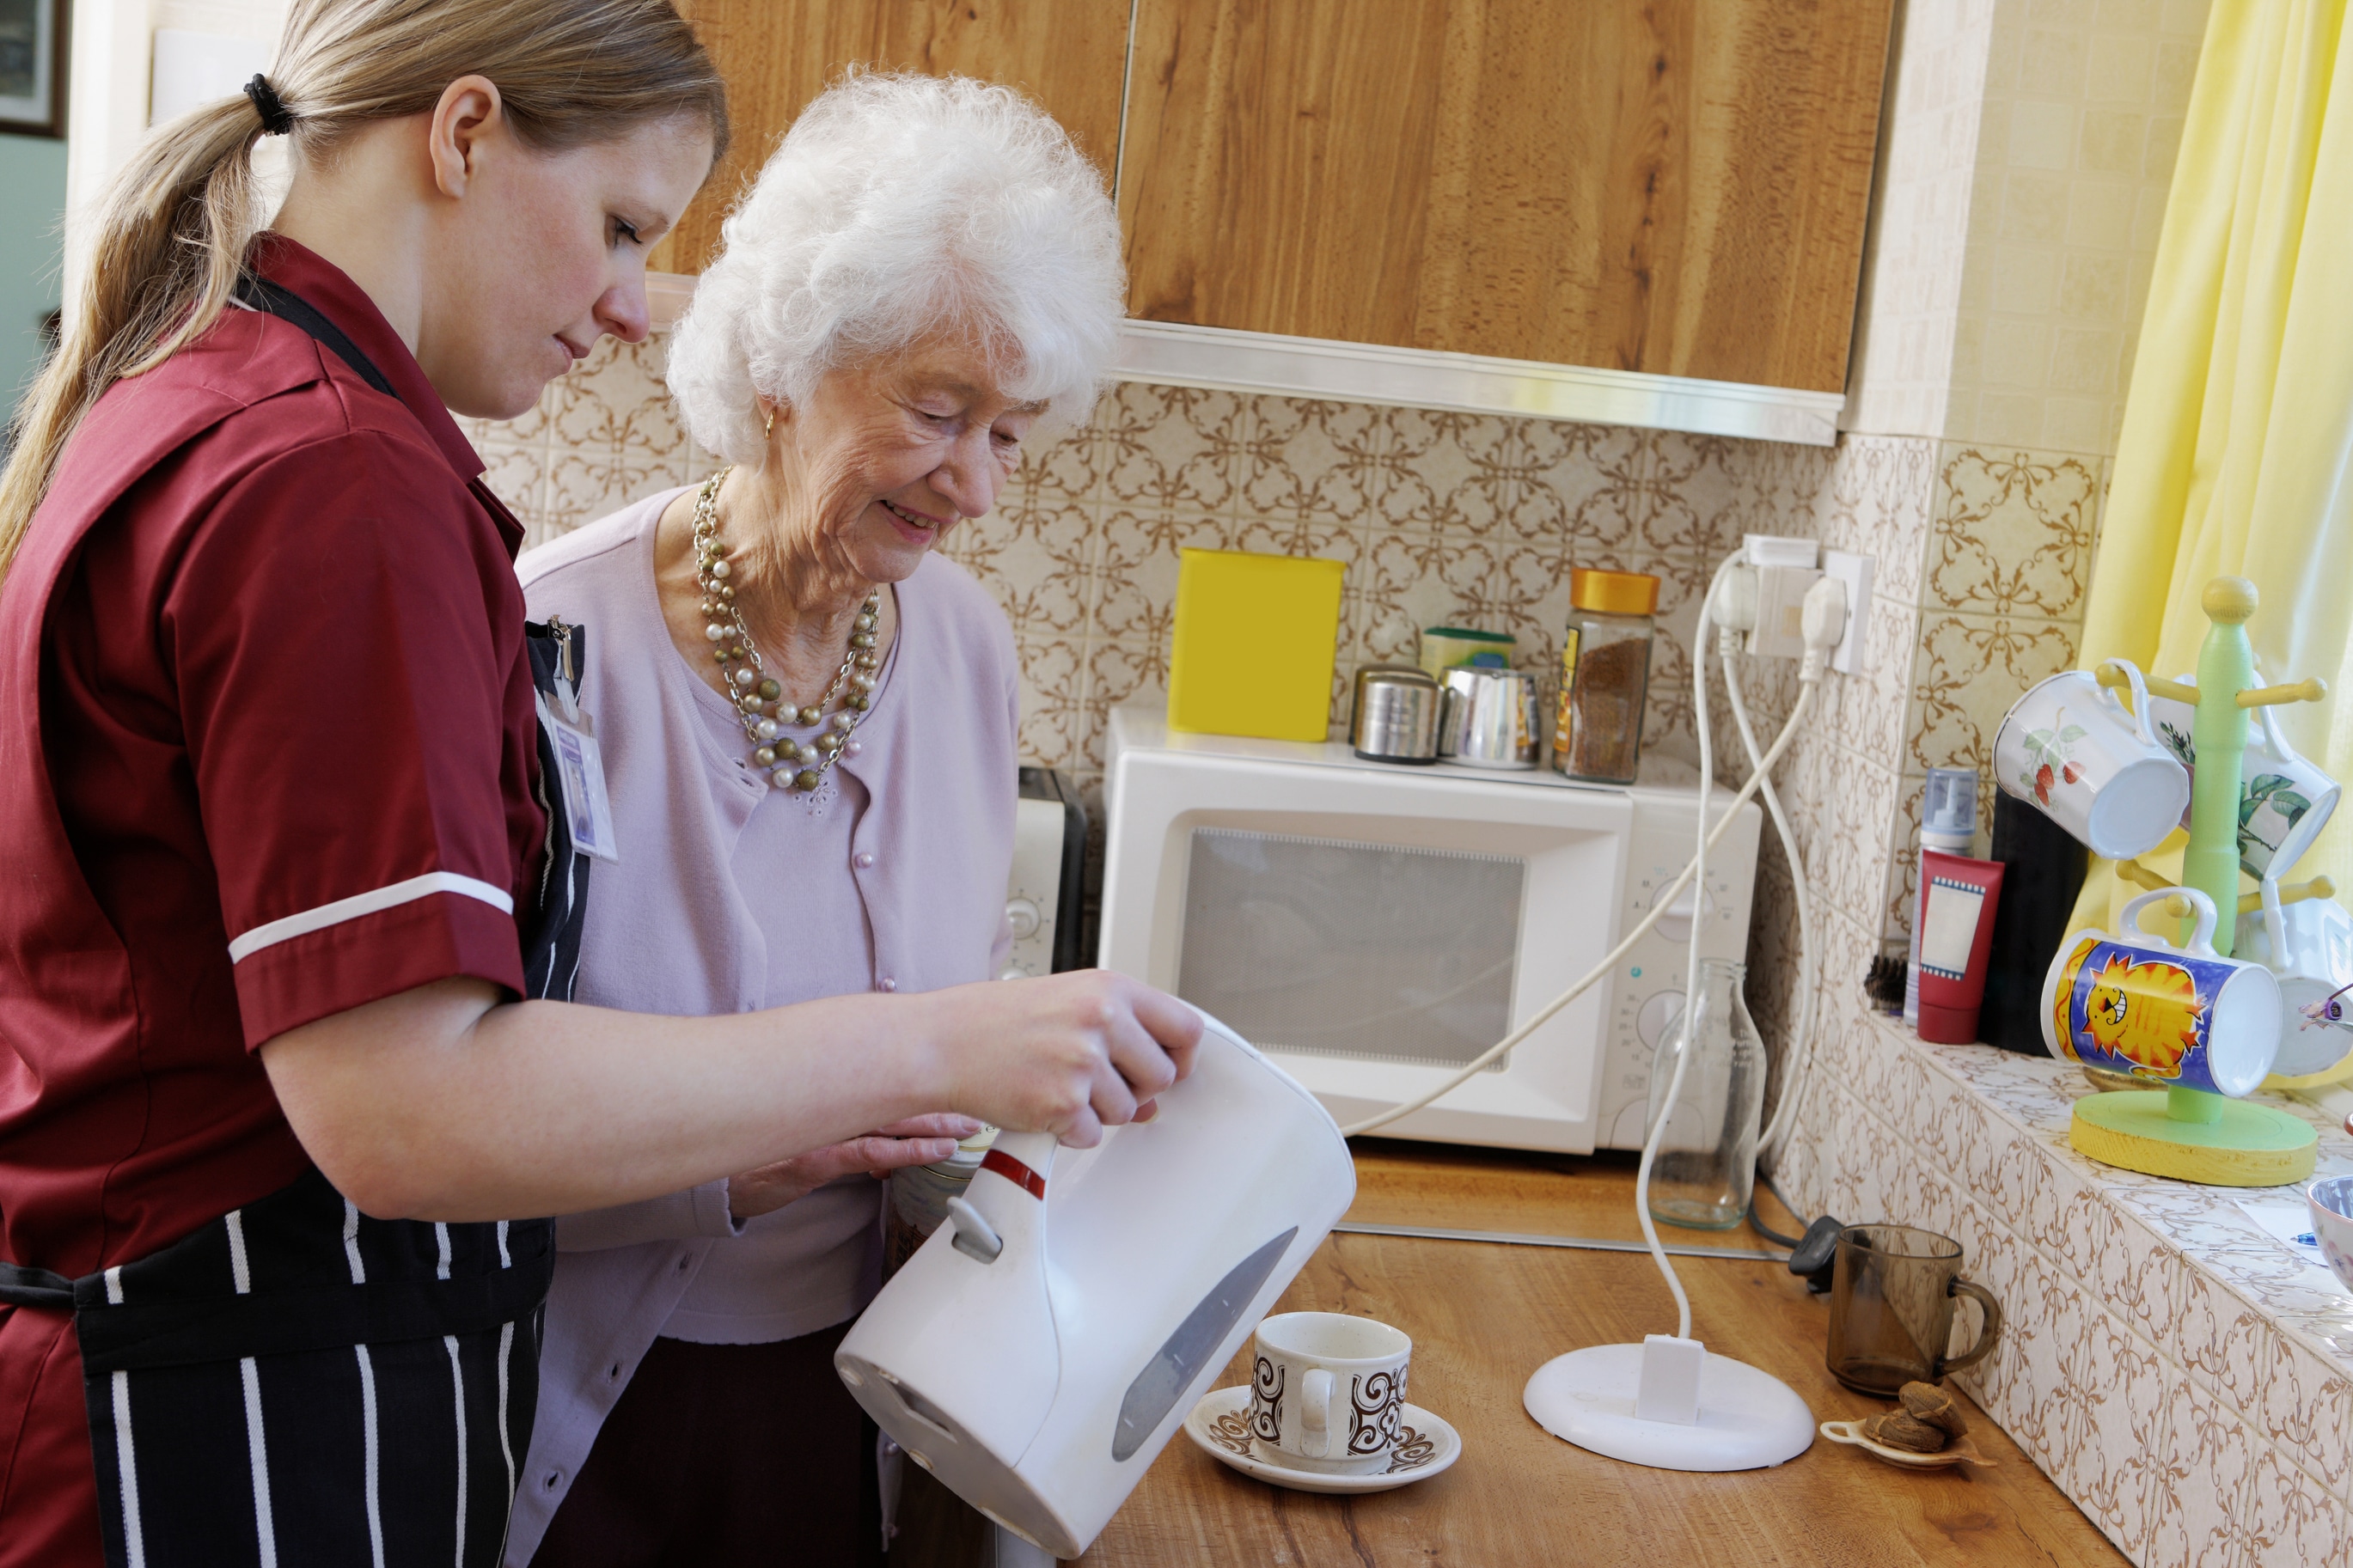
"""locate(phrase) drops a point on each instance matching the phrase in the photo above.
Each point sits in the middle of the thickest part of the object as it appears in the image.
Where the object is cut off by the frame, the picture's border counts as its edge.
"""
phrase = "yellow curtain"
(2236, 454)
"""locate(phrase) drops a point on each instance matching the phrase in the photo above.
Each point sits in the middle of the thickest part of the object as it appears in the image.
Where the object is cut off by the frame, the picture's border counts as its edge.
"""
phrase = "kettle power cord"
(1823, 621)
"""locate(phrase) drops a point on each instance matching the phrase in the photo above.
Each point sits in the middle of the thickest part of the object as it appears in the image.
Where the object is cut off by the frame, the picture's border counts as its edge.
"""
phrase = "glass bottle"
(1705, 1168)
(1605, 674)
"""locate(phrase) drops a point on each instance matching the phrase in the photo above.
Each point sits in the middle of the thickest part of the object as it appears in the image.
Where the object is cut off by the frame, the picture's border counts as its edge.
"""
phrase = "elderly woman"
(808, 719)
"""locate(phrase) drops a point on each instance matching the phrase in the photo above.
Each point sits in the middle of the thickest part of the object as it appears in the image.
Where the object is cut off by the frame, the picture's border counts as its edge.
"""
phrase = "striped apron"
(296, 1382)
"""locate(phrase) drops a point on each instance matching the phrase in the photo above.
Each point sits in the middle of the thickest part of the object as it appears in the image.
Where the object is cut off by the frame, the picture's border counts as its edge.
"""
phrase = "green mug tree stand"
(2187, 1133)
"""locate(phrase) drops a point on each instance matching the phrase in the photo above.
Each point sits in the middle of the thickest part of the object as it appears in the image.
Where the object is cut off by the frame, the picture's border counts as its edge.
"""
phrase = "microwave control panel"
(1646, 1000)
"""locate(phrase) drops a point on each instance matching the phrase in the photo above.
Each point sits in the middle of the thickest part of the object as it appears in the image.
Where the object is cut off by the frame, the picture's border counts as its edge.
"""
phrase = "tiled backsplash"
(1440, 518)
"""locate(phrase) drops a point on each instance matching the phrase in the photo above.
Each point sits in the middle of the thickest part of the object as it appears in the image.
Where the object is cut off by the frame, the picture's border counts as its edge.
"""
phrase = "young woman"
(279, 852)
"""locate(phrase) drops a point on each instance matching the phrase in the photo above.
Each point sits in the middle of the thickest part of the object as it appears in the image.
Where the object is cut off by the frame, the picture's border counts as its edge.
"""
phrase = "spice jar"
(1605, 671)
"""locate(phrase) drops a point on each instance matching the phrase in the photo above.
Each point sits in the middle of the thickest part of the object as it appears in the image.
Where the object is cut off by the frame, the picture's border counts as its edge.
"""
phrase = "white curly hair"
(898, 207)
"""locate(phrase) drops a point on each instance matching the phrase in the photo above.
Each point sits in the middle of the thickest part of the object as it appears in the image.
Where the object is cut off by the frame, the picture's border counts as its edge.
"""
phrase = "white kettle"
(1040, 1349)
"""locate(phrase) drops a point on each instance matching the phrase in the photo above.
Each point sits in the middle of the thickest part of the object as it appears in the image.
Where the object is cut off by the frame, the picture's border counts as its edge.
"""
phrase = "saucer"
(1959, 1451)
(1221, 1424)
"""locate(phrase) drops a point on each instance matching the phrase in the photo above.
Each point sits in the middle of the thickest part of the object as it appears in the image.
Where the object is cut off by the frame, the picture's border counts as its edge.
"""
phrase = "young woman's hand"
(1067, 1054)
(918, 1141)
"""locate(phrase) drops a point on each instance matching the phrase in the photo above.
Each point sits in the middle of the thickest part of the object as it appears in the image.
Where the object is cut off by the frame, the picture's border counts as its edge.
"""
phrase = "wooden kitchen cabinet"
(1673, 186)
(777, 55)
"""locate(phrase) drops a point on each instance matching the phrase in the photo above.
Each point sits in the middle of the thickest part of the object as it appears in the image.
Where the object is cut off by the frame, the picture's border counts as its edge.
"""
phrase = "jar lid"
(969, 1154)
(1466, 634)
(1613, 593)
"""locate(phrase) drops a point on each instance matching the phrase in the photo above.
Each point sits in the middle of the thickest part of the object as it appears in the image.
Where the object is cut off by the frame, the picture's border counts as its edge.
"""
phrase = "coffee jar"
(1605, 673)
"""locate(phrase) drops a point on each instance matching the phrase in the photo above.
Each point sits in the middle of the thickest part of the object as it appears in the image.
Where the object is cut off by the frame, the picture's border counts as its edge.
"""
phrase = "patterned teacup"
(2284, 801)
(1327, 1392)
(2069, 749)
(2171, 1016)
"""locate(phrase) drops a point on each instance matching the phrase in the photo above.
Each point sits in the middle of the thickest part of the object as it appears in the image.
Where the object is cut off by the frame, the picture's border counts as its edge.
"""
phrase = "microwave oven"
(1372, 927)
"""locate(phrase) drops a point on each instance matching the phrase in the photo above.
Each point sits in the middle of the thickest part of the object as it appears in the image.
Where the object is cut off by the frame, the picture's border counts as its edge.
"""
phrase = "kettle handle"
(1033, 1149)
(1022, 1160)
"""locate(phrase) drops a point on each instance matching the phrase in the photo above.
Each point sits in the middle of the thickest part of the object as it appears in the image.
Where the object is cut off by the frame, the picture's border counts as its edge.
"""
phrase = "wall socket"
(1855, 570)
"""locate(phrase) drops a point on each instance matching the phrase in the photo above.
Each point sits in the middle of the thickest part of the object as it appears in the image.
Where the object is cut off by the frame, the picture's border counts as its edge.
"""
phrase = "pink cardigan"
(668, 931)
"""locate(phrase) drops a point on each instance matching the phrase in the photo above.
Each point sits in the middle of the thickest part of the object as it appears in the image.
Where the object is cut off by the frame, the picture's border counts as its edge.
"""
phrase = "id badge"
(580, 770)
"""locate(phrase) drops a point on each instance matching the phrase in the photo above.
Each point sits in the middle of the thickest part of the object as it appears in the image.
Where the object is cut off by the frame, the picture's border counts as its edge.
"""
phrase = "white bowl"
(2330, 1199)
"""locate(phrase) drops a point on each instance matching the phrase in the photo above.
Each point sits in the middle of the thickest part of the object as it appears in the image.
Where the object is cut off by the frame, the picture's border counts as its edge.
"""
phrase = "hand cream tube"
(1957, 900)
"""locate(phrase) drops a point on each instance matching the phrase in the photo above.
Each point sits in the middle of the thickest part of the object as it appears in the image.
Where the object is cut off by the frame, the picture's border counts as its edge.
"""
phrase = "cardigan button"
(863, 859)
(886, 983)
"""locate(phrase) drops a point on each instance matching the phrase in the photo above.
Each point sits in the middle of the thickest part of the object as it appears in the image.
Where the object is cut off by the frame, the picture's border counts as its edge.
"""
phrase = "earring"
(771, 431)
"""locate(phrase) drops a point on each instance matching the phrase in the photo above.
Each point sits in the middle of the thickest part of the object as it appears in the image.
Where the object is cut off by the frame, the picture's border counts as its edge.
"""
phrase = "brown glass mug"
(1892, 1295)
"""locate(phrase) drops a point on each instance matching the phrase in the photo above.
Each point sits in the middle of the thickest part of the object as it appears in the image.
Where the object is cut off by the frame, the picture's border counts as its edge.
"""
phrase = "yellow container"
(1255, 642)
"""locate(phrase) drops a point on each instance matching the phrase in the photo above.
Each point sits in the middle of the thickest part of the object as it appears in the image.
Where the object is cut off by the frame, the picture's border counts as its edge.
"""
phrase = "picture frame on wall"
(33, 67)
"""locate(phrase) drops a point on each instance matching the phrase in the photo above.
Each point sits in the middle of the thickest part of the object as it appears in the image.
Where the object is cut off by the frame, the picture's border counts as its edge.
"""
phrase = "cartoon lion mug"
(2171, 1016)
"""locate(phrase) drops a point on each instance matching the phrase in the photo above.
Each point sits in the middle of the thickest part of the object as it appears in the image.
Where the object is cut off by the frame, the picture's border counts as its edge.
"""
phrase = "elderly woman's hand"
(1067, 1054)
(918, 1141)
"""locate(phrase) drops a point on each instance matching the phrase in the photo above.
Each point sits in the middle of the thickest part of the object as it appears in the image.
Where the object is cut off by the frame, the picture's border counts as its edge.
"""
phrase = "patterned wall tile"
(2202, 1516)
(2114, 1437)
(2013, 533)
(1865, 712)
(1034, 554)
(1169, 446)
(2294, 1520)
(1319, 463)
(1877, 500)
(1969, 671)
(2306, 1408)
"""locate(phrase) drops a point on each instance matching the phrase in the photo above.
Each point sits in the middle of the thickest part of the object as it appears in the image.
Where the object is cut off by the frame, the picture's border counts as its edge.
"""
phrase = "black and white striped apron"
(296, 1382)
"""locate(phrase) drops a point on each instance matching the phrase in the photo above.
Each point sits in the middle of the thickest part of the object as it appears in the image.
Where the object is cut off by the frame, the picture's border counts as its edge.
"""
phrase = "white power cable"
(1799, 1056)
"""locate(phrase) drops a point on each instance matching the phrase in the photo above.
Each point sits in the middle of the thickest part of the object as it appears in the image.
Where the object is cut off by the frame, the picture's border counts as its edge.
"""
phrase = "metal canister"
(1395, 718)
(1490, 717)
(918, 1200)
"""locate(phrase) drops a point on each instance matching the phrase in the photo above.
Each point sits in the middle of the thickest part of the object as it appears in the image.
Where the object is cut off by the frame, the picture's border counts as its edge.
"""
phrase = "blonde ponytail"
(171, 234)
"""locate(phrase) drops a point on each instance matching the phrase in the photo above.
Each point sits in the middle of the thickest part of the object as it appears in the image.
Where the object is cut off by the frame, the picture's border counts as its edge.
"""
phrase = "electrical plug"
(1815, 1257)
(1822, 623)
(1734, 608)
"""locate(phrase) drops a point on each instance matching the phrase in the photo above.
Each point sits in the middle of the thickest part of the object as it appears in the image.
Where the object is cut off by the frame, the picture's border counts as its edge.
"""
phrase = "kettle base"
(1748, 1420)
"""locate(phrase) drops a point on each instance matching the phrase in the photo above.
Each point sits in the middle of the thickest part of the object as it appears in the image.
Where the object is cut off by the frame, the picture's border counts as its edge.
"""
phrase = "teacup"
(2284, 801)
(2308, 947)
(2170, 1016)
(2070, 748)
(1327, 1392)
(2330, 1199)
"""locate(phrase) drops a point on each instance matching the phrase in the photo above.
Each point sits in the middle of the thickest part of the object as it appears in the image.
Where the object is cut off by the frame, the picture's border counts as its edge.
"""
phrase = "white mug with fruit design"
(2071, 749)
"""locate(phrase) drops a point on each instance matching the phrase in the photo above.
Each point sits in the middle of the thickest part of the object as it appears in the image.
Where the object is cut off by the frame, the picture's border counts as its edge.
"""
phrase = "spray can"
(1949, 821)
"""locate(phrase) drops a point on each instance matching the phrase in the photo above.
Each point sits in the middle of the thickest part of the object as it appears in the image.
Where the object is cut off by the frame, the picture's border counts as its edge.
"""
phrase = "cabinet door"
(1677, 186)
(777, 55)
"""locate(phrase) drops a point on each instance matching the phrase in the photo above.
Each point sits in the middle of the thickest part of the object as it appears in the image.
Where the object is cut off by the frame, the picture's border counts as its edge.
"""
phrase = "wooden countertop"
(1484, 1316)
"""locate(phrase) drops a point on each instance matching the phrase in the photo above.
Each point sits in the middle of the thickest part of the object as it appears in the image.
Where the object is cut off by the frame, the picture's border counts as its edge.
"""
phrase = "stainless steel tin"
(1395, 718)
(1490, 717)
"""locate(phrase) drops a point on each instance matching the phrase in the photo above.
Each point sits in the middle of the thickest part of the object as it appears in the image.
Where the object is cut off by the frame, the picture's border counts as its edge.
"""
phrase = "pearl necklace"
(758, 698)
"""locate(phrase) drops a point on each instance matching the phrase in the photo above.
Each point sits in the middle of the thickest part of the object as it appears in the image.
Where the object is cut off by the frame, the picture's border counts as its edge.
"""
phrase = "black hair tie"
(276, 118)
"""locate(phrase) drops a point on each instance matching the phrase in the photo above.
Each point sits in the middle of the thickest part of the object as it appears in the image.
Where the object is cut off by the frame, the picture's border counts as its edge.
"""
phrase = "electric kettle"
(1040, 1349)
